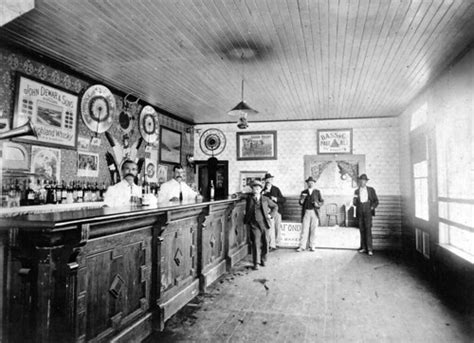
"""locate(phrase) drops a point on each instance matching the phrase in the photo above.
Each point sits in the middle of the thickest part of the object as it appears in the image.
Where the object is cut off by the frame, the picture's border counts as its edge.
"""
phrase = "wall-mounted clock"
(98, 108)
(148, 124)
(212, 142)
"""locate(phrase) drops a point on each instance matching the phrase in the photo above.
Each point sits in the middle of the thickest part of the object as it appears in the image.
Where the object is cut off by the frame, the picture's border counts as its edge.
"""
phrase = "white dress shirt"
(363, 195)
(119, 194)
(171, 189)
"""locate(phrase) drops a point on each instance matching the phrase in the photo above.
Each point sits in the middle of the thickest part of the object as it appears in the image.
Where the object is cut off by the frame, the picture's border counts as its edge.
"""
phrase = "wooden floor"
(323, 296)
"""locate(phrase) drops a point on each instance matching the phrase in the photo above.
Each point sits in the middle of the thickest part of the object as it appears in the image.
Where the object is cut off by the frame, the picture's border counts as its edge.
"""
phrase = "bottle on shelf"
(58, 191)
(41, 191)
(74, 191)
(80, 192)
(30, 194)
(93, 192)
(49, 192)
(212, 191)
(63, 192)
(102, 191)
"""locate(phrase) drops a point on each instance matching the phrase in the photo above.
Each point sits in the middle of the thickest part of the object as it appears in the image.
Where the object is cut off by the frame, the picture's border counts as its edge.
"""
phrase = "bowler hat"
(268, 176)
(363, 177)
(310, 179)
(256, 183)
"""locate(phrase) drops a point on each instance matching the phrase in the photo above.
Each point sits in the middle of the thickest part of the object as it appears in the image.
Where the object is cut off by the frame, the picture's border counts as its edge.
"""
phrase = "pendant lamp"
(242, 107)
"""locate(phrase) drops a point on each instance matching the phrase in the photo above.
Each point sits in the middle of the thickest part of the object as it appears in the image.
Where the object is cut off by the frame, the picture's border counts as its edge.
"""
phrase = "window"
(420, 176)
(455, 170)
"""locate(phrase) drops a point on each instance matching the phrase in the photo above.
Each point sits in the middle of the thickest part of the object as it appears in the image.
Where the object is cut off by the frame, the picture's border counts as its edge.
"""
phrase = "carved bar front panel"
(178, 278)
(211, 240)
(237, 235)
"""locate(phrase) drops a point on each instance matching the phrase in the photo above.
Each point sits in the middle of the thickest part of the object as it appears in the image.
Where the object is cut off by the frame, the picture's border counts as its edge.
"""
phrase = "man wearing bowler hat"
(311, 201)
(273, 192)
(259, 211)
(365, 202)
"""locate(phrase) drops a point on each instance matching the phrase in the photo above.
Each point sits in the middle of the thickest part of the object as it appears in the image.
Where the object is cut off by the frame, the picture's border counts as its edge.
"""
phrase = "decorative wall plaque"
(148, 124)
(98, 108)
(212, 142)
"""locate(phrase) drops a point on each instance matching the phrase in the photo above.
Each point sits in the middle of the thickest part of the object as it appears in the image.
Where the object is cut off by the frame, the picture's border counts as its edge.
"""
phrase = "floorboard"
(323, 296)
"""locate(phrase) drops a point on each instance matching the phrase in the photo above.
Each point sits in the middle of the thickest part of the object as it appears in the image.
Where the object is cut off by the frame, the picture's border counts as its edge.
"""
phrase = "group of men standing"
(263, 216)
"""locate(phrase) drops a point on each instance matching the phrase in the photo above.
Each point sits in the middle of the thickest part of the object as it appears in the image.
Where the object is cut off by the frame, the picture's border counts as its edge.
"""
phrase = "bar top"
(54, 221)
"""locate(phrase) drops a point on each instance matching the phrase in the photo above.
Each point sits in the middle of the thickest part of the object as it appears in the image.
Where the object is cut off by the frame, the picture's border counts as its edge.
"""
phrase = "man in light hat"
(259, 211)
(274, 193)
(311, 201)
(365, 202)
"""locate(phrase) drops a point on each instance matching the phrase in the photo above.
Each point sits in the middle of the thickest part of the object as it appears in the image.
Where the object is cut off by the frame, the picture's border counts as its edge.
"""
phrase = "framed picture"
(170, 146)
(52, 111)
(247, 177)
(46, 162)
(87, 164)
(257, 145)
(335, 141)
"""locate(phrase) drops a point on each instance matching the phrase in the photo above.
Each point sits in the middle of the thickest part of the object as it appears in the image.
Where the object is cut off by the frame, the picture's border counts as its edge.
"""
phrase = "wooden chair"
(332, 210)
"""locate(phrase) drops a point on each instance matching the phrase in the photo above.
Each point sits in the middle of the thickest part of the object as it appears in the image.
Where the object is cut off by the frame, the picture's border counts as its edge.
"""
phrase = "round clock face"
(98, 108)
(212, 142)
(149, 125)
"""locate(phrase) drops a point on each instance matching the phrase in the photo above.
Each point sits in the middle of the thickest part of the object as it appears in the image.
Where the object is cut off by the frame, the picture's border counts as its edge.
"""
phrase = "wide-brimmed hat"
(363, 177)
(310, 179)
(256, 183)
(268, 176)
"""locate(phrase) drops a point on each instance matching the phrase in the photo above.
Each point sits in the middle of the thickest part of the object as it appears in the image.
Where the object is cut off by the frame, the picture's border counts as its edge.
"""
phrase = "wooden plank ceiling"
(303, 59)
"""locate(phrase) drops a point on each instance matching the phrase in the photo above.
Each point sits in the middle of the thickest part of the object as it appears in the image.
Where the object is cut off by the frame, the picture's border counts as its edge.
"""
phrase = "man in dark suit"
(274, 193)
(311, 201)
(365, 202)
(259, 211)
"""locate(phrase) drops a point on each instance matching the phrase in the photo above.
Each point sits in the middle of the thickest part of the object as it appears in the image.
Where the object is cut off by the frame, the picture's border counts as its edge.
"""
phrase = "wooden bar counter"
(112, 274)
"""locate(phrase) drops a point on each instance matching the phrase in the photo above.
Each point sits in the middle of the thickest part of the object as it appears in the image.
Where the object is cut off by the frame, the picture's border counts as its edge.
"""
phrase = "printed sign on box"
(290, 235)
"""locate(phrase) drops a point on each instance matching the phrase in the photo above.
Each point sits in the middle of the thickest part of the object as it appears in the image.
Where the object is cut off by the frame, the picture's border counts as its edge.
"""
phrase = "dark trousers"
(365, 226)
(259, 242)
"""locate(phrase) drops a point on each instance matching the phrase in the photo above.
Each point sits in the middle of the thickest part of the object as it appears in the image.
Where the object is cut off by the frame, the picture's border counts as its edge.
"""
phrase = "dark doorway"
(218, 173)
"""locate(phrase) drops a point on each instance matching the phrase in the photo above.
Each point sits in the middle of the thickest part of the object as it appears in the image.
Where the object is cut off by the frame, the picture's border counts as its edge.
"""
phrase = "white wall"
(378, 139)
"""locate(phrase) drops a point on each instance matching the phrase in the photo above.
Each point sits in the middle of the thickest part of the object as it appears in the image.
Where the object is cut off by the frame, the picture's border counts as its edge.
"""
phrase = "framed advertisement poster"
(52, 111)
(335, 141)
(256, 145)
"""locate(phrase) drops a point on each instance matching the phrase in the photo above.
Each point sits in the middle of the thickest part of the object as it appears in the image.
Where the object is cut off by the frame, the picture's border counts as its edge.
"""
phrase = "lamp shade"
(240, 108)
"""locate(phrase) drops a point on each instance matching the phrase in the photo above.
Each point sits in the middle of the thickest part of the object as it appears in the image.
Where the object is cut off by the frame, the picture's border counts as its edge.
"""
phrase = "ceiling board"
(313, 59)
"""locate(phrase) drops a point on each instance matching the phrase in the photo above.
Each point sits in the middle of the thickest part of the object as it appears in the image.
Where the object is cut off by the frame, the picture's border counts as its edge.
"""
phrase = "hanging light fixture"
(242, 109)
(242, 106)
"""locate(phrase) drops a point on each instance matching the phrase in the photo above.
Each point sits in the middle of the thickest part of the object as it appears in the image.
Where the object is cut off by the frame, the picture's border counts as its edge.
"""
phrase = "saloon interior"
(393, 78)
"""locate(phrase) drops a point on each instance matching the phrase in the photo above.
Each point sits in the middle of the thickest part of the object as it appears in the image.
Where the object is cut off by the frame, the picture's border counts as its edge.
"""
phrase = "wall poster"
(335, 141)
(46, 162)
(52, 111)
(87, 164)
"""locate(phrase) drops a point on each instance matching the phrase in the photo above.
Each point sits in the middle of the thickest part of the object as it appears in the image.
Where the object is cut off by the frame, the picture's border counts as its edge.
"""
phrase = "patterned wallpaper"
(377, 139)
(12, 62)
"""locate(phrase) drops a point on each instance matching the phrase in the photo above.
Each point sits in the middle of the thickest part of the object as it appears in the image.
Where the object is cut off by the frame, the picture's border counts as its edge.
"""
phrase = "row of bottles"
(27, 193)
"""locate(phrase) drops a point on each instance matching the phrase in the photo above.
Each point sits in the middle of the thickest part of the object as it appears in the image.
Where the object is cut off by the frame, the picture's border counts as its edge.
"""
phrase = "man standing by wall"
(259, 211)
(365, 202)
(311, 201)
(274, 193)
